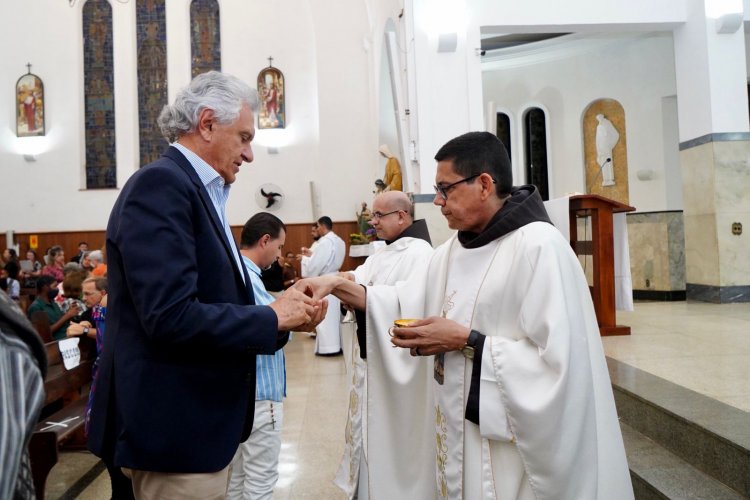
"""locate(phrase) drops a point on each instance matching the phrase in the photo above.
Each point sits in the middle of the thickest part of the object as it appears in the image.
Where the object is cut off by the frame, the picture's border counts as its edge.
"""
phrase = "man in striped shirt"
(255, 465)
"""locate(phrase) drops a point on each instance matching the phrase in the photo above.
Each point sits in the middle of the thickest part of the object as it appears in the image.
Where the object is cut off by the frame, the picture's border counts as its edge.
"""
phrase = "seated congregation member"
(272, 277)
(29, 277)
(290, 275)
(86, 263)
(46, 292)
(56, 262)
(10, 284)
(256, 463)
(176, 379)
(95, 297)
(11, 265)
(83, 247)
(99, 268)
(72, 291)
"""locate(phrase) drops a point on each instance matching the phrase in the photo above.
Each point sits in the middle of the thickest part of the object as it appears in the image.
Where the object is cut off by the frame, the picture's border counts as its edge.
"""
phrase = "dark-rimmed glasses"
(443, 190)
(378, 215)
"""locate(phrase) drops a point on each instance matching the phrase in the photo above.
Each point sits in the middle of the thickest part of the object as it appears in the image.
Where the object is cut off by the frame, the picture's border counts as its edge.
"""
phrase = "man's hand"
(294, 308)
(76, 329)
(429, 336)
(73, 311)
(319, 287)
(320, 315)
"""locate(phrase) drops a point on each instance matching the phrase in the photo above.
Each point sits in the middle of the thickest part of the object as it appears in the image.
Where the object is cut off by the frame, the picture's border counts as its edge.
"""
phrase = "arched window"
(99, 95)
(503, 131)
(535, 150)
(151, 34)
(205, 38)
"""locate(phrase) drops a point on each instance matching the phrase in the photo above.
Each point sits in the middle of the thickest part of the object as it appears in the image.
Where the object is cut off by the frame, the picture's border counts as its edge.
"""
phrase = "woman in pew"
(56, 263)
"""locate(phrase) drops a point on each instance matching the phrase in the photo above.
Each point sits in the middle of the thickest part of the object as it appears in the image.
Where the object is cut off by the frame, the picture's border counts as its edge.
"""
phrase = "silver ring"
(416, 351)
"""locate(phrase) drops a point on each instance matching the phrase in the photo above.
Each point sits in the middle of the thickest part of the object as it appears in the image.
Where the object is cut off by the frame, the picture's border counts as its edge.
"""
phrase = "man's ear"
(488, 186)
(206, 121)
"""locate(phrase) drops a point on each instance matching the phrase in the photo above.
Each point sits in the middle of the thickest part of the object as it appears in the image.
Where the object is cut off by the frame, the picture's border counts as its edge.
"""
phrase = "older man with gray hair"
(177, 369)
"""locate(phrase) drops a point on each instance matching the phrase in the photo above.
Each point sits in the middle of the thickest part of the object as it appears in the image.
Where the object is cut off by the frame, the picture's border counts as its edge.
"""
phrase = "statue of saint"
(392, 177)
(606, 139)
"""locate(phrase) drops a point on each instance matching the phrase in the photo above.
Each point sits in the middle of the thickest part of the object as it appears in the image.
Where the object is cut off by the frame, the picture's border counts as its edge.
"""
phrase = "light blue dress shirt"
(270, 369)
(218, 191)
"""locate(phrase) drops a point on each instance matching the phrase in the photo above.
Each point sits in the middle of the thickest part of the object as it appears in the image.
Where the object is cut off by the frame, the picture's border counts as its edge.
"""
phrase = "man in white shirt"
(326, 259)
(518, 402)
(365, 465)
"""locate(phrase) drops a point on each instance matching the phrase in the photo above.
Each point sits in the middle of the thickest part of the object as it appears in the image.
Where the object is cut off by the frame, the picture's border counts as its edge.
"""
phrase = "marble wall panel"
(698, 180)
(701, 250)
(657, 251)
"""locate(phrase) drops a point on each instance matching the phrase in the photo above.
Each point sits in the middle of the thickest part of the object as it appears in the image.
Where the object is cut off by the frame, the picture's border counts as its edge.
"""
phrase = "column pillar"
(714, 150)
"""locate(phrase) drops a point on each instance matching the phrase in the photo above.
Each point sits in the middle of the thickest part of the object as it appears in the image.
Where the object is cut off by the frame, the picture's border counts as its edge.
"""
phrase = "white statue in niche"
(606, 139)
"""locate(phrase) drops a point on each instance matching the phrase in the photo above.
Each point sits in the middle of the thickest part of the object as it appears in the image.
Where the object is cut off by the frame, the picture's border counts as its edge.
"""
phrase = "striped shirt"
(21, 398)
(270, 370)
(218, 191)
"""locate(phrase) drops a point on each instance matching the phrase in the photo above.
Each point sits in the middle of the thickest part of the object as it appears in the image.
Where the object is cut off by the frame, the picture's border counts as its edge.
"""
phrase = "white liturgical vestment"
(327, 257)
(548, 427)
(390, 264)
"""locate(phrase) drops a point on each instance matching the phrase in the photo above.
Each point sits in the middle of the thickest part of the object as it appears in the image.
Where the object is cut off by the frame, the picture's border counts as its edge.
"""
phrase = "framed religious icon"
(272, 112)
(29, 105)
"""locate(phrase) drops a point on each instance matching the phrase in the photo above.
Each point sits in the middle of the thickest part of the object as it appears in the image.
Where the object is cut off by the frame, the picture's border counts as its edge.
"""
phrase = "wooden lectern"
(601, 248)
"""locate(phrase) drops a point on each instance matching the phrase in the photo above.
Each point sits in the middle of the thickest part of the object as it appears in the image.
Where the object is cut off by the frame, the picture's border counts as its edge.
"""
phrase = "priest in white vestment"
(367, 467)
(521, 405)
(326, 259)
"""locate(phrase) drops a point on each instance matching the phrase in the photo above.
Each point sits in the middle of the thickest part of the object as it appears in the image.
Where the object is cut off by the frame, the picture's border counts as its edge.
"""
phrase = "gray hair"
(224, 94)
(96, 255)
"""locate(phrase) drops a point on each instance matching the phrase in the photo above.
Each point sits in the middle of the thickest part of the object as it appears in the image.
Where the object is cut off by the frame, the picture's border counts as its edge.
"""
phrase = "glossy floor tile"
(704, 347)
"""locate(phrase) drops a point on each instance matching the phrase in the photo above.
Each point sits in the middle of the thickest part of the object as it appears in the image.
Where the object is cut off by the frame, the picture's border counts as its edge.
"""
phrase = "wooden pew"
(63, 416)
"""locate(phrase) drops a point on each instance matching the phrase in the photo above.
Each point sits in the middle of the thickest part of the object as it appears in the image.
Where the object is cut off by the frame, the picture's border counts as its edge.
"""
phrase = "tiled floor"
(704, 347)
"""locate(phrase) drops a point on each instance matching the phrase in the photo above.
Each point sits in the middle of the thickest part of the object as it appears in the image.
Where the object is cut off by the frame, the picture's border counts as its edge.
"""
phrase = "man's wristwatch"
(471, 343)
(85, 330)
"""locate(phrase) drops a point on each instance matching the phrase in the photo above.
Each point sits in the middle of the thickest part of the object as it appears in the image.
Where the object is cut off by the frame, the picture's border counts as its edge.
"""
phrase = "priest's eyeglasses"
(378, 215)
(444, 190)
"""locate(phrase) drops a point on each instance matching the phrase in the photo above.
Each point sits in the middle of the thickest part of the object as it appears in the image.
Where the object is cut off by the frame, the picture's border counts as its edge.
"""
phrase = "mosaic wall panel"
(152, 76)
(205, 38)
(99, 100)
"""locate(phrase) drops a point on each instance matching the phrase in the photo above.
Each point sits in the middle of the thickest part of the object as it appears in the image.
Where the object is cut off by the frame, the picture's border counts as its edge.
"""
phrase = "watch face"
(468, 352)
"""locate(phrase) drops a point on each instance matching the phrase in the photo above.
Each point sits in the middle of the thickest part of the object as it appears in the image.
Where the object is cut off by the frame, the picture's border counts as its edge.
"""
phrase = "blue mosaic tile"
(205, 37)
(99, 102)
(151, 35)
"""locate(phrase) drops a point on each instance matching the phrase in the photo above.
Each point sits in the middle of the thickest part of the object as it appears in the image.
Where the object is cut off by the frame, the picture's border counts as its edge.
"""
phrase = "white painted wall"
(637, 72)
(331, 136)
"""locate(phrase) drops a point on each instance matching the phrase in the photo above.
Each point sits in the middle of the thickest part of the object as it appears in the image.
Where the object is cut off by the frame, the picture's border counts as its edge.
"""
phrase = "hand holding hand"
(317, 288)
(295, 308)
(429, 336)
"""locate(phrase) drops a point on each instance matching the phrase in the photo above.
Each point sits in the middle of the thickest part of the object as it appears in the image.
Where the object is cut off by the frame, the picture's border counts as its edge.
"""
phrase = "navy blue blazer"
(175, 390)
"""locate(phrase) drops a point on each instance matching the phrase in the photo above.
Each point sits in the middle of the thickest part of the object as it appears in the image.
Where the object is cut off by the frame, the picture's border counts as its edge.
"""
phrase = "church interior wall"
(331, 137)
(637, 72)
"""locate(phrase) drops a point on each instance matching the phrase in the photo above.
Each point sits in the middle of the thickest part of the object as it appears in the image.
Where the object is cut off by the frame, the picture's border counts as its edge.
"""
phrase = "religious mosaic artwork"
(152, 76)
(29, 105)
(605, 150)
(99, 101)
(272, 112)
(205, 41)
